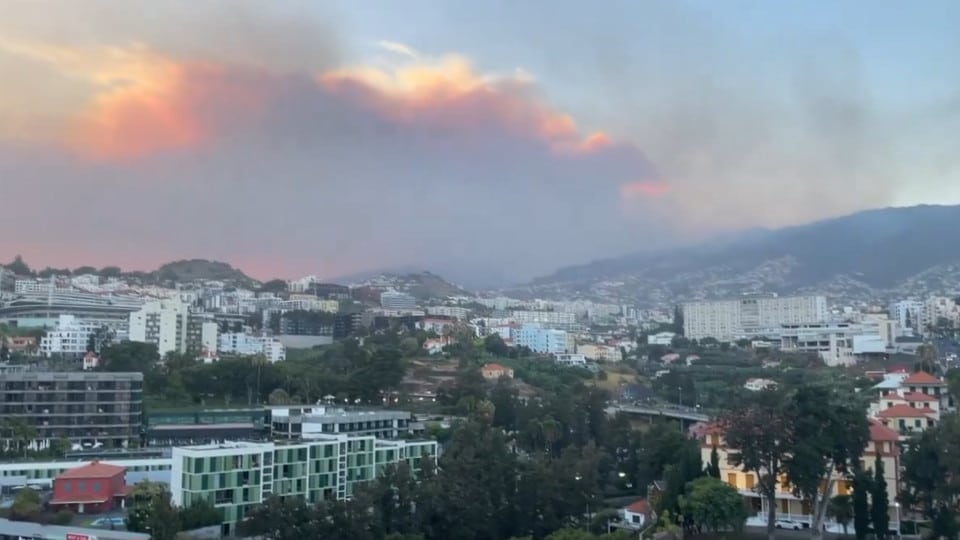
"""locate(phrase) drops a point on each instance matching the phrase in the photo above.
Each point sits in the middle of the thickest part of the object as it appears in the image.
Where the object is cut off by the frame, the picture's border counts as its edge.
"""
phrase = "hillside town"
(194, 387)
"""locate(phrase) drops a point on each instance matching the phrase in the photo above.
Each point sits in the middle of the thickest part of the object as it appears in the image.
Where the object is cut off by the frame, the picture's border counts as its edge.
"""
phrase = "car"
(788, 524)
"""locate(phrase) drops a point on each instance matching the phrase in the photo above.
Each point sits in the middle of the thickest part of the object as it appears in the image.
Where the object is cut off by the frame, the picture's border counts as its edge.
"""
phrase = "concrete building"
(85, 408)
(68, 338)
(661, 338)
(729, 320)
(202, 334)
(395, 300)
(550, 319)
(235, 477)
(601, 353)
(570, 359)
(318, 421)
(163, 323)
(540, 340)
(455, 312)
(243, 344)
(907, 313)
(837, 344)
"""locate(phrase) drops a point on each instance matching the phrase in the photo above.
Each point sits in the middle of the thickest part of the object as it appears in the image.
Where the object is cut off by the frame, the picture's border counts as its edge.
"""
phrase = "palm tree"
(841, 509)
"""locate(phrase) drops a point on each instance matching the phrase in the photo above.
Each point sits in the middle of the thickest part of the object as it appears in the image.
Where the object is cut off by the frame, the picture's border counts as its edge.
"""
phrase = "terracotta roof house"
(91, 489)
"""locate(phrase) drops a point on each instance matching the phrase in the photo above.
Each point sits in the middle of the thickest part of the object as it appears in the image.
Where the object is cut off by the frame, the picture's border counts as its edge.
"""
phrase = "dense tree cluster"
(152, 511)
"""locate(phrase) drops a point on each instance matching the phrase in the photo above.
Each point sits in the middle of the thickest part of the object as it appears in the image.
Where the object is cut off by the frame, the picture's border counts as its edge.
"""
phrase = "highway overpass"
(653, 411)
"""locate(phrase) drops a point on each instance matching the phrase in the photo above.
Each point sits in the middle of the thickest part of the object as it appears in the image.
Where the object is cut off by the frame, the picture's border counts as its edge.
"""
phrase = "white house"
(636, 515)
(661, 338)
(757, 384)
(247, 345)
(568, 359)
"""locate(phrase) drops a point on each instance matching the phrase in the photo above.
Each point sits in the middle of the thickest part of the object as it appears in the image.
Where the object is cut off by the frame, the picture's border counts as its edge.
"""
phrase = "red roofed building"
(637, 514)
(91, 489)
(906, 419)
(495, 372)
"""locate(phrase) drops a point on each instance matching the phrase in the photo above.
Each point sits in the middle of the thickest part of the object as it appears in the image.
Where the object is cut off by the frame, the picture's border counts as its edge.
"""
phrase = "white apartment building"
(729, 320)
(600, 353)
(907, 313)
(306, 302)
(839, 344)
(246, 345)
(938, 308)
(540, 340)
(395, 300)
(163, 323)
(561, 319)
(570, 359)
(69, 338)
(302, 285)
(661, 338)
(449, 311)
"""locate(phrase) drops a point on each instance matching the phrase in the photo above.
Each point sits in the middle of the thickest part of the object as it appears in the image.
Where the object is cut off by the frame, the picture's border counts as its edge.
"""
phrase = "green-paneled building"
(236, 476)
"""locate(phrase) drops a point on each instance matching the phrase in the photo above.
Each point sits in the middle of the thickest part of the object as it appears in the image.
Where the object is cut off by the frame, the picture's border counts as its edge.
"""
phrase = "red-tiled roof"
(494, 367)
(921, 377)
(906, 411)
(93, 470)
(919, 396)
(881, 433)
(81, 498)
(639, 507)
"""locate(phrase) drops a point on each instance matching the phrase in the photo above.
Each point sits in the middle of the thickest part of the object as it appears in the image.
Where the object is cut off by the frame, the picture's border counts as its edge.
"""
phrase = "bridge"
(687, 414)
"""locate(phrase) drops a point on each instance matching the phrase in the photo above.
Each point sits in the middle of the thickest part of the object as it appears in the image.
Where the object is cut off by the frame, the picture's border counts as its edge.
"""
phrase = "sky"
(490, 142)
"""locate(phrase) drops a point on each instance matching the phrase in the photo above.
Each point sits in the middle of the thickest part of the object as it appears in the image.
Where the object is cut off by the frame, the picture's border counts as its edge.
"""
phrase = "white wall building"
(69, 338)
(839, 344)
(571, 359)
(395, 300)
(662, 338)
(729, 320)
(163, 323)
(456, 312)
(560, 319)
(540, 340)
(246, 345)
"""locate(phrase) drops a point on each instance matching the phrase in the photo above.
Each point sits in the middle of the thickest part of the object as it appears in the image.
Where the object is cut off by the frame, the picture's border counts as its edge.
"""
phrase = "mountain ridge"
(876, 251)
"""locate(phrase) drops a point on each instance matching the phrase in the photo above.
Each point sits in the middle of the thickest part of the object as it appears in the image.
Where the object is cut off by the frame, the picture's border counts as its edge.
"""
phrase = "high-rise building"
(69, 338)
(728, 320)
(163, 323)
(85, 408)
(540, 340)
(237, 476)
(397, 300)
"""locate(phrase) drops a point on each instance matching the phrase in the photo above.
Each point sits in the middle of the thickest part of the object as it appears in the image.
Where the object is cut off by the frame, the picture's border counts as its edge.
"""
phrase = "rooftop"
(919, 396)
(881, 433)
(639, 507)
(922, 377)
(906, 411)
(94, 469)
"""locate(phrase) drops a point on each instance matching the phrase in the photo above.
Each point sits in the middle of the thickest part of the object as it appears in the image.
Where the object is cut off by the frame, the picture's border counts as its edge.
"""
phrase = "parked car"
(788, 524)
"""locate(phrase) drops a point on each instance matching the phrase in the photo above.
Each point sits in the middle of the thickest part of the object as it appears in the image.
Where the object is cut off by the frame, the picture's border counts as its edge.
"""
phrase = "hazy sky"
(486, 140)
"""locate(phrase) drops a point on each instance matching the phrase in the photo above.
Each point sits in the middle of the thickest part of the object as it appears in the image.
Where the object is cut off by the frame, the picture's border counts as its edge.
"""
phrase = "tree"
(714, 505)
(279, 396)
(129, 356)
(713, 468)
(829, 433)
(26, 505)
(495, 345)
(880, 502)
(841, 510)
(200, 514)
(19, 267)
(860, 506)
(756, 432)
(678, 320)
(153, 512)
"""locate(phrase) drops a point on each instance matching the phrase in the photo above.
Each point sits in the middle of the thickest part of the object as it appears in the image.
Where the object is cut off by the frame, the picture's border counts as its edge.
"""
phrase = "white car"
(788, 524)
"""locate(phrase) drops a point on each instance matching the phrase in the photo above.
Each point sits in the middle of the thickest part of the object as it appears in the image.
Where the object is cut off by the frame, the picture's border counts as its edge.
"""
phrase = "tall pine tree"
(713, 468)
(861, 506)
(880, 502)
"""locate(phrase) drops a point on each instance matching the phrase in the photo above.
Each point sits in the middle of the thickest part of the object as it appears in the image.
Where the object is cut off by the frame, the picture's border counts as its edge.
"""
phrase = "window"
(732, 479)
(96, 487)
(917, 423)
(81, 486)
(67, 486)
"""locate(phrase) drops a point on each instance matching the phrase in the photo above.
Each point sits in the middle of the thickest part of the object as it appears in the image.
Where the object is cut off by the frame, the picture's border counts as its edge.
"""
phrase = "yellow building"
(883, 440)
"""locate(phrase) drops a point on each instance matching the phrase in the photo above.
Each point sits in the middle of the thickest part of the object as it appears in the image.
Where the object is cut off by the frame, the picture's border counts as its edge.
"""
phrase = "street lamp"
(897, 506)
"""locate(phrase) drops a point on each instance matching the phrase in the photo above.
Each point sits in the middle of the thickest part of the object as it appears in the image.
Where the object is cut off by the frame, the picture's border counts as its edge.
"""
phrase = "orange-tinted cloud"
(451, 94)
(643, 189)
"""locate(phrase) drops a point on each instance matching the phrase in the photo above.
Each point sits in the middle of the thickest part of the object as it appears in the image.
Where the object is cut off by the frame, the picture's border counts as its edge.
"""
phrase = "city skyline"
(299, 138)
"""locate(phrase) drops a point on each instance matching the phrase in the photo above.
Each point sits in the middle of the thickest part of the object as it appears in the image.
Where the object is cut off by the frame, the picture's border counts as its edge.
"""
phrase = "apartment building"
(236, 476)
(68, 338)
(551, 319)
(839, 344)
(202, 334)
(729, 320)
(395, 300)
(86, 408)
(454, 312)
(311, 422)
(246, 345)
(540, 340)
(883, 441)
(163, 323)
